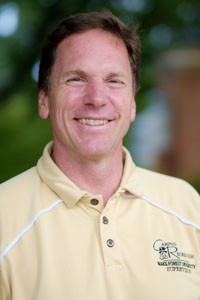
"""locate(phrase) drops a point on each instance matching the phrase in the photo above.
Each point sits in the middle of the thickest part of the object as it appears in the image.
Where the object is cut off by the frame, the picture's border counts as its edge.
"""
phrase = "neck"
(98, 177)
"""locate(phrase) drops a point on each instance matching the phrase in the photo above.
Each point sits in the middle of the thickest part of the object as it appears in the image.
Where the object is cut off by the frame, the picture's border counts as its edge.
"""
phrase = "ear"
(43, 104)
(133, 109)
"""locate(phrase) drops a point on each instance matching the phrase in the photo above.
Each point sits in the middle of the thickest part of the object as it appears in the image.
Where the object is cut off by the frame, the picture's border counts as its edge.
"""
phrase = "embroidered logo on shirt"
(172, 259)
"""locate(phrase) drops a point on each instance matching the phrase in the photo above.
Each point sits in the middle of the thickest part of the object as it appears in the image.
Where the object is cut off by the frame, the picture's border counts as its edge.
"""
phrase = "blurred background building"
(180, 80)
(171, 122)
(165, 135)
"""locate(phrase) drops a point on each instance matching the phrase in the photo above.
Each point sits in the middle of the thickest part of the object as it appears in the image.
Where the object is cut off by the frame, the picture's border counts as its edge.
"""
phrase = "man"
(86, 223)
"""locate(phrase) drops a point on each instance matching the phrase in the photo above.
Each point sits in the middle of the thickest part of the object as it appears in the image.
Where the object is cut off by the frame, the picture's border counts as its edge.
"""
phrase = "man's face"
(90, 102)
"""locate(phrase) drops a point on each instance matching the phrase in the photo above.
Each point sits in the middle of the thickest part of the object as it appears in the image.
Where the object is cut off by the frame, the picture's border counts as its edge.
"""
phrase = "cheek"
(128, 108)
(58, 104)
(68, 99)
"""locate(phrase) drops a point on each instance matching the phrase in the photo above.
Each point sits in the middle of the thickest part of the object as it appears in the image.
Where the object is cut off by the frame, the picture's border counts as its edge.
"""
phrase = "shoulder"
(156, 184)
(16, 193)
(18, 184)
(22, 198)
(161, 183)
(15, 199)
(170, 192)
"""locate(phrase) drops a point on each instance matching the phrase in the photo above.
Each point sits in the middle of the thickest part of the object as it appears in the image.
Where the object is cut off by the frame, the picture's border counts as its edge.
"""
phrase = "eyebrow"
(73, 72)
(116, 74)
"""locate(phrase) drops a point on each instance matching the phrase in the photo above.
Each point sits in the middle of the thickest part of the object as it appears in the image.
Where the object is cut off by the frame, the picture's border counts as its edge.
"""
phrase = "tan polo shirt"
(58, 242)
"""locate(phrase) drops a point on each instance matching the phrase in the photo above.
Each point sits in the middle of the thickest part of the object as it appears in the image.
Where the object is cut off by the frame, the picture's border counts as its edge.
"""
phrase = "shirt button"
(94, 201)
(105, 220)
(110, 243)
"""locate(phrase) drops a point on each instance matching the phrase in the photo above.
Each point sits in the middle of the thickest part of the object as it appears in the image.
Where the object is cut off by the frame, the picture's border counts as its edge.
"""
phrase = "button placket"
(109, 239)
(105, 220)
(94, 202)
(110, 243)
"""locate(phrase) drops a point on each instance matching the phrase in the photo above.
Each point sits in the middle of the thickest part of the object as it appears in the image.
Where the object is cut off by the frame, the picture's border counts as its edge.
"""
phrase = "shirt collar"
(52, 175)
(68, 191)
(130, 182)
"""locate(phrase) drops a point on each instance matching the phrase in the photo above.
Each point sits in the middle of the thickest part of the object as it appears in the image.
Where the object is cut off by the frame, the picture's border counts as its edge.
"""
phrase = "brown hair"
(104, 20)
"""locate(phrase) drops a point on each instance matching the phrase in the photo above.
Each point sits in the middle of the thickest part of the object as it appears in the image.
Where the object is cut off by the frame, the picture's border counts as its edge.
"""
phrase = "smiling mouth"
(92, 122)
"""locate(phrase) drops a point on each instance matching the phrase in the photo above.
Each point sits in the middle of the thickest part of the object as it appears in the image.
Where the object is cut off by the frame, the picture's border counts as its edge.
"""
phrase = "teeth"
(92, 122)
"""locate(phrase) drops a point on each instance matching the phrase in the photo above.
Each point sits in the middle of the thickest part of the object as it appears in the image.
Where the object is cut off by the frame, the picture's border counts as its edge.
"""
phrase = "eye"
(114, 82)
(75, 81)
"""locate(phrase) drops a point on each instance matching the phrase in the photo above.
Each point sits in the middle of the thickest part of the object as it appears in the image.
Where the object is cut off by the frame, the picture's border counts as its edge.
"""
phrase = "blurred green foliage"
(163, 24)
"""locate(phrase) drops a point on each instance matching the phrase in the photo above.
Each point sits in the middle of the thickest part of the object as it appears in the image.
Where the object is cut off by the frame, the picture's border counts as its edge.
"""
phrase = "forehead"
(95, 53)
(93, 40)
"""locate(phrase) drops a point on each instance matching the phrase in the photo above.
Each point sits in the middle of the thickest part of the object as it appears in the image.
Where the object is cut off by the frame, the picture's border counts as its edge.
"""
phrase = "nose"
(95, 93)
